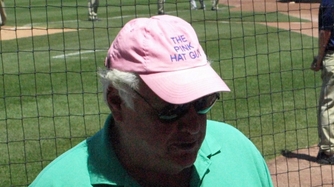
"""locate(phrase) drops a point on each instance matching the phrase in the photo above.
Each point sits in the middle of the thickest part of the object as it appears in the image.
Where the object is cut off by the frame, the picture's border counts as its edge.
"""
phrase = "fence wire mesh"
(50, 96)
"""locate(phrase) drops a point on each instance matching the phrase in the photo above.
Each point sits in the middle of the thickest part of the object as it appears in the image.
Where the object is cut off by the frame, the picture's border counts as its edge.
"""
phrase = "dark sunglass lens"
(204, 104)
(173, 112)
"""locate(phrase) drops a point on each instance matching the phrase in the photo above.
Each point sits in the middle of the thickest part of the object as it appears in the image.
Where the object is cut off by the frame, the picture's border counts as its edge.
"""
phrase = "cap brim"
(184, 86)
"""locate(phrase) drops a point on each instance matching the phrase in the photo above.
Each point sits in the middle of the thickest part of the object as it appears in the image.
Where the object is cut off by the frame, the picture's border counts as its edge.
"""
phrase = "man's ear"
(114, 103)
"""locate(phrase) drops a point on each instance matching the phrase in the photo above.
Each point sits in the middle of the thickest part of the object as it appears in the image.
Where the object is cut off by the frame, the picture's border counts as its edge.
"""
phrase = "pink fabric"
(165, 52)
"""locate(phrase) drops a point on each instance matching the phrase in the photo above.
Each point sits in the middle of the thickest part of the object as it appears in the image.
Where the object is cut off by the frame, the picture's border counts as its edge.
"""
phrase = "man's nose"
(191, 122)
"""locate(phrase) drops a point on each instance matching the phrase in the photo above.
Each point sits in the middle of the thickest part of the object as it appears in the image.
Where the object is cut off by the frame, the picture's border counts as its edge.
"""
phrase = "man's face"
(151, 144)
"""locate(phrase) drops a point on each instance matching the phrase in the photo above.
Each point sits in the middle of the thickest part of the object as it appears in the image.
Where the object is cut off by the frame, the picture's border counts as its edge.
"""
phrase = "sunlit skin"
(324, 36)
(155, 153)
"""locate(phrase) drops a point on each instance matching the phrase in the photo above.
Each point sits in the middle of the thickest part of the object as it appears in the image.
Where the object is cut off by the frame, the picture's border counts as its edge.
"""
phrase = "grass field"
(50, 98)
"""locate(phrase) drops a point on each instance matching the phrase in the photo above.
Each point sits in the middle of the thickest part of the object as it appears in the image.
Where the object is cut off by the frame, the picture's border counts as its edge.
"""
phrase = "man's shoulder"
(219, 128)
(70, 164)
(227, 137)
(227, 147)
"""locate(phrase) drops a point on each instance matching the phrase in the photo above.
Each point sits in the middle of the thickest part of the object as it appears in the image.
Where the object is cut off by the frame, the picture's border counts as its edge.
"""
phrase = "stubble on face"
(145, 142)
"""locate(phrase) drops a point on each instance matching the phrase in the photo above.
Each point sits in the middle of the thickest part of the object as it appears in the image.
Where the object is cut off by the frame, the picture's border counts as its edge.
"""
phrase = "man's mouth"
(184, 146)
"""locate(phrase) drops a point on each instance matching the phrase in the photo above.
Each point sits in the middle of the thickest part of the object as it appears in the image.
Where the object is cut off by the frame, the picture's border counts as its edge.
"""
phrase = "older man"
(159, 86)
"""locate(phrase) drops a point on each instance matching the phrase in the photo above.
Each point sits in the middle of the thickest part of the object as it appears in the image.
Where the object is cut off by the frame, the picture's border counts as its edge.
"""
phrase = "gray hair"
(124, 82)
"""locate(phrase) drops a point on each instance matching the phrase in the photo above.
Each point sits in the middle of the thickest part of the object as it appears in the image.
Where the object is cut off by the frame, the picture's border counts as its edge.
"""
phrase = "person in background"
(324, 61)
(159, 86)
(93, 5)
(161, 7)
(215, 5)
(3, 15)
(193, 4)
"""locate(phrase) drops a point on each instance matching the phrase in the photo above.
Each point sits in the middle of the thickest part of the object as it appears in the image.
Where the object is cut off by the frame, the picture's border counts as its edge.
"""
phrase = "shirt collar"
(210, 147)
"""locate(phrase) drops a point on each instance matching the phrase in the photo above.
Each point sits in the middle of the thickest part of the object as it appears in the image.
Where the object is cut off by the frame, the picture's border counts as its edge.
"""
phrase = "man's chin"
(177, 169)
(184, 161)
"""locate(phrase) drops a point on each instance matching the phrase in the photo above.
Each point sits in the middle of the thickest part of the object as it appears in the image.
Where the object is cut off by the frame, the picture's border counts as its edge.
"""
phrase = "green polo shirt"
(226, 158)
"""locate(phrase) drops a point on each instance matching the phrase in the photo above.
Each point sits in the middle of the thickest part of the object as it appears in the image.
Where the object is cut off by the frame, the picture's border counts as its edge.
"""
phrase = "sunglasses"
(173, 112)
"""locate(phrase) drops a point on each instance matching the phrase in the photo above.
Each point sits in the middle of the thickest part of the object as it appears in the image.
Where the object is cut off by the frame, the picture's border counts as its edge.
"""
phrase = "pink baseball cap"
(165, 52)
